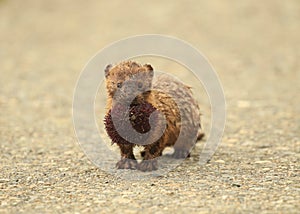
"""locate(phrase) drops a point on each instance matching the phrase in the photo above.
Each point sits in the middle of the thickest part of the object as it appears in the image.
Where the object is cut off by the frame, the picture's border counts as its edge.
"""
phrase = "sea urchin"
(138, 116)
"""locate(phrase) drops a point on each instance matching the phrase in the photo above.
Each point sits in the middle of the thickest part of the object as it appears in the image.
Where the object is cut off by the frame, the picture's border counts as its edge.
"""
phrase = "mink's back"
(180, 108)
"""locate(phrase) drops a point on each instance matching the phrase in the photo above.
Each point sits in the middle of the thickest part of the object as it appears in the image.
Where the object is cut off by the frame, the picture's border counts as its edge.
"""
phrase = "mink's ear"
(107, 69)
(149, 69)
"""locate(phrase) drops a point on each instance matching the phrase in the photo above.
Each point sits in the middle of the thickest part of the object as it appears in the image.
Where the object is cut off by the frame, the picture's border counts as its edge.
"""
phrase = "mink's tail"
(200, 135)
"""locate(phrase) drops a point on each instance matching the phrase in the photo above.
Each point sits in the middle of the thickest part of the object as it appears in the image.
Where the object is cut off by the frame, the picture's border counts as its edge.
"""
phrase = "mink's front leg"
(150, 153)
(128, 160)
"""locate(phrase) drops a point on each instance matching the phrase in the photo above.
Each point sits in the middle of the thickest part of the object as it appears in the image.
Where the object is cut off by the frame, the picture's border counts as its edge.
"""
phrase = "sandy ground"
(253, 45)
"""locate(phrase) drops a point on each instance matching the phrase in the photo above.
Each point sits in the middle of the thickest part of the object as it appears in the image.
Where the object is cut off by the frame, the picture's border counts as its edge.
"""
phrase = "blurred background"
(254, 47)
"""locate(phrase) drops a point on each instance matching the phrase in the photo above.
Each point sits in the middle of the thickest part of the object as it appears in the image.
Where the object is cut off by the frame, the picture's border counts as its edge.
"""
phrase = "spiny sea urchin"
(138, 115)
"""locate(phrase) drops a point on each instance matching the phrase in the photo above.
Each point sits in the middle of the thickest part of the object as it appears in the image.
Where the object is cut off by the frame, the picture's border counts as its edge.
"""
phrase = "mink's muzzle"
(130, 90)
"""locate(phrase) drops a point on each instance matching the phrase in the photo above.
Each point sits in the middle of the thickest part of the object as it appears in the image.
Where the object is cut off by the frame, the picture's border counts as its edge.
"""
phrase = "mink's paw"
(148, 165)
(181, 154)
(126, 163)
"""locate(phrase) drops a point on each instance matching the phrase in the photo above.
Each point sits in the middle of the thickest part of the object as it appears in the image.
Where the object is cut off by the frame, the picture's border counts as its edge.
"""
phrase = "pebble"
(236, 185)
(219, 161)
(3, 180)
(263, 162)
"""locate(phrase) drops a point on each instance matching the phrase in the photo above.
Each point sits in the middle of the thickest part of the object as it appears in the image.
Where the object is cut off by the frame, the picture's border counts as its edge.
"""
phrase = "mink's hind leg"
(150, 153)
(128, 160)
(181, 153)
(183, 147)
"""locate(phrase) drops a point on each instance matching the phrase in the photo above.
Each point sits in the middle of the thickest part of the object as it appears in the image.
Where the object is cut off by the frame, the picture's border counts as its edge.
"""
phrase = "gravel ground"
(255, 48)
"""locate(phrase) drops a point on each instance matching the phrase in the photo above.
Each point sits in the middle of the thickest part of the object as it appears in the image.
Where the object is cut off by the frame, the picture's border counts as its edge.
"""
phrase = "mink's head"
(127, 80)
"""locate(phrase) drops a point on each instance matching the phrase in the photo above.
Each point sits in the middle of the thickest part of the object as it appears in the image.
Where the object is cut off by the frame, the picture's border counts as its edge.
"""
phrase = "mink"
(160, 111)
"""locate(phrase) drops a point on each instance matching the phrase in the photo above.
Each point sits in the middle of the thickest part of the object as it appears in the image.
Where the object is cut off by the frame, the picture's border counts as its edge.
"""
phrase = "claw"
(148, 165)
(126, 163)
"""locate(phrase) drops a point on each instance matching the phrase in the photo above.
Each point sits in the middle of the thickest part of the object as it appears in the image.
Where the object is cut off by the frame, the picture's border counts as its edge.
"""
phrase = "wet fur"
(160, 97)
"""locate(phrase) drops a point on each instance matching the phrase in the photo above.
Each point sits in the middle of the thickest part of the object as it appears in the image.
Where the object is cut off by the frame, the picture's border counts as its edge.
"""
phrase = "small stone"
(224, 197)
(236, 185)
(4, 180)
(232, 140)
(266, 169)
(3, 203)
(63, 169)
(219, 161)
(262, 162)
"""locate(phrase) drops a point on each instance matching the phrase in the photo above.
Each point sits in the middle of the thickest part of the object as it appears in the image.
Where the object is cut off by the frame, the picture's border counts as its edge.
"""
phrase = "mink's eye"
(140, 85)
(119, 85)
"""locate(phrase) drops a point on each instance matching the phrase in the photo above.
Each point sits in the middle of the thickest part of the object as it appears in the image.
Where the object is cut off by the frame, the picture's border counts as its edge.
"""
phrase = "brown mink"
(166, 107)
